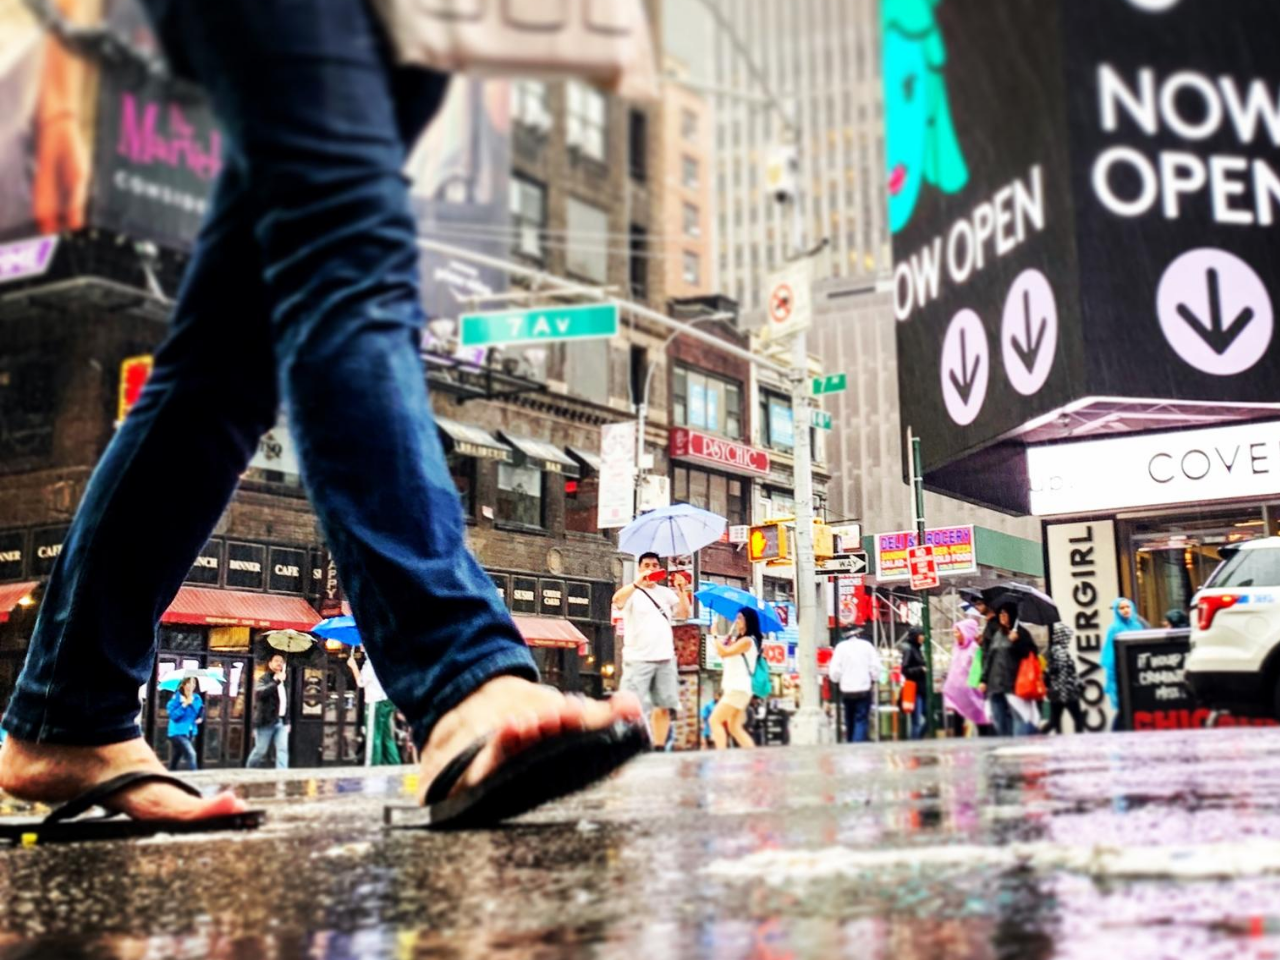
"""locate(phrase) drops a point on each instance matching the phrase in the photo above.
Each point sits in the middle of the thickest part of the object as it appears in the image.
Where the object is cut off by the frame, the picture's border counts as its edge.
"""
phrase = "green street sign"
(831, 383)
(821, 419)
(587, 321)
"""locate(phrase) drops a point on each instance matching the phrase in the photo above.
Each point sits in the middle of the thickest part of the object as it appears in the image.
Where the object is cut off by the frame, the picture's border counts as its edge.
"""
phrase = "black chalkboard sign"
(1153, 694)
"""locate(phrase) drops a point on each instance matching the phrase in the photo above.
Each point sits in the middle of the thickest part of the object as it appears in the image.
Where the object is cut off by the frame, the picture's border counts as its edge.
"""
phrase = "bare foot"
(50, 773)
(518, 714)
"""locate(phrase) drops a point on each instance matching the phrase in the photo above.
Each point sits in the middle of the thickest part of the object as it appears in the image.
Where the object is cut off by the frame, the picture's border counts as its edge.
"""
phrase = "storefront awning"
(11, 594)
(551, 632)
(540, 454)
(588, 459)
(239, 608)
(472, 441)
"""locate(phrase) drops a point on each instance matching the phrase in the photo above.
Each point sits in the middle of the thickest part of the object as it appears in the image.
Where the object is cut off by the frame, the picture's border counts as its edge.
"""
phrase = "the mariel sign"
(1083, 197)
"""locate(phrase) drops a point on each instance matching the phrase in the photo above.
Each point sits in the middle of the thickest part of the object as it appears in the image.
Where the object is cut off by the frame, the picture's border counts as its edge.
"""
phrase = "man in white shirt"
(856, 667)
(648, 645)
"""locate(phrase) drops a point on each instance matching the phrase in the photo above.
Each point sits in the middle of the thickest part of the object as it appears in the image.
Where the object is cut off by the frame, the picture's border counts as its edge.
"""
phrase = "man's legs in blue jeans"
(1001, 714)
(262, 737)
(281, 737)
(305, 280)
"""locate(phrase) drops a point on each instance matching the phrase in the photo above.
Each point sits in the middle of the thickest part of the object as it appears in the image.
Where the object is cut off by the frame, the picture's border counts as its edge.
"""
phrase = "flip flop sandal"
(62, 825)
(546, 771)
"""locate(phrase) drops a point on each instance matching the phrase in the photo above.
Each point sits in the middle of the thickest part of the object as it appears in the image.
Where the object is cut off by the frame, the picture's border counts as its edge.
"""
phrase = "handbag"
(907, 699)
(975, 669)
(605, 42)
(1030, 682)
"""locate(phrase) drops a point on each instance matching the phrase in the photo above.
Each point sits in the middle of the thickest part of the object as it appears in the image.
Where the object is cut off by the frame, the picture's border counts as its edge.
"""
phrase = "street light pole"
(917, 489)
(808, 723)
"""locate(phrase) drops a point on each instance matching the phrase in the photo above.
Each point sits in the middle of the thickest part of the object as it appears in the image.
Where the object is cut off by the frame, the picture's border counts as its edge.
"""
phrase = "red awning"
(11, 593)
(239, 608)
(551, 632)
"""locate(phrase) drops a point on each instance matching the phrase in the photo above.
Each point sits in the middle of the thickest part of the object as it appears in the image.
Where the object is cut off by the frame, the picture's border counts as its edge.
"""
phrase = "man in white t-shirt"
(855, 666)
(648, 645)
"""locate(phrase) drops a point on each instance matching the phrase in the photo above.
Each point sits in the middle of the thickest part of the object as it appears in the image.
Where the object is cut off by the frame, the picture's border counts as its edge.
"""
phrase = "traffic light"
(767, 542)
(823, 541)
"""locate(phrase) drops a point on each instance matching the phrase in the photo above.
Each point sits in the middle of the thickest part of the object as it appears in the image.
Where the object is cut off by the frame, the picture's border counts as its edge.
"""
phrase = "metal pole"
(808, 724)
(917, 482)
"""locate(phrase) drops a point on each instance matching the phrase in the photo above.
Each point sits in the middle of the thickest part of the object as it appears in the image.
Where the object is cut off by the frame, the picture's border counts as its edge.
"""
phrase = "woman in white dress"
(739, 651)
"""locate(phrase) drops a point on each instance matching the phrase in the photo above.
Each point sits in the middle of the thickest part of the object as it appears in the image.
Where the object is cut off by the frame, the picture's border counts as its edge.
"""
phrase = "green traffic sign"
(583, 322)
(831, 383)
(821, 419)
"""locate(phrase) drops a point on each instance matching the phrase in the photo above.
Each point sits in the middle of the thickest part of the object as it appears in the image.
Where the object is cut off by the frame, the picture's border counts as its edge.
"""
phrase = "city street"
(1132, 845)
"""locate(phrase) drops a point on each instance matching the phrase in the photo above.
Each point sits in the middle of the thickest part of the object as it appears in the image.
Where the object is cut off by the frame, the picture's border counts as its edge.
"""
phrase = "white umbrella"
(675, 531)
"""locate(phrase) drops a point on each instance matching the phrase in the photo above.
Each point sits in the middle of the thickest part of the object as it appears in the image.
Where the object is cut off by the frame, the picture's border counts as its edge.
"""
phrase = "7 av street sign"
(832, 383)
(588, 321)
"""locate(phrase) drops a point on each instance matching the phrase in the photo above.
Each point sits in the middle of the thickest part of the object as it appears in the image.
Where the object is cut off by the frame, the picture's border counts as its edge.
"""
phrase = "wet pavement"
(1127, 845)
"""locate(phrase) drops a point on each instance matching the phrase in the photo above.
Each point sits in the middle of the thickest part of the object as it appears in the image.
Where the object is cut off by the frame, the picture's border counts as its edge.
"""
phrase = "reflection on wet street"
(1155, 845)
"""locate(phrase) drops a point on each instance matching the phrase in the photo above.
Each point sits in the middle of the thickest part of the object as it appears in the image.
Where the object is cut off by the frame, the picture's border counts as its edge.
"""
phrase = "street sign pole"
(917, 484)
(807, 725)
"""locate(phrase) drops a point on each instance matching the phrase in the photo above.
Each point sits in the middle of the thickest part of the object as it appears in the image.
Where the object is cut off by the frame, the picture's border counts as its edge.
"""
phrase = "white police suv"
(1235, 633)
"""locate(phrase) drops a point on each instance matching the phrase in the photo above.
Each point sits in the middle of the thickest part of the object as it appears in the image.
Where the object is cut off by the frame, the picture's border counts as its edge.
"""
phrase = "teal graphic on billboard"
(920, 138)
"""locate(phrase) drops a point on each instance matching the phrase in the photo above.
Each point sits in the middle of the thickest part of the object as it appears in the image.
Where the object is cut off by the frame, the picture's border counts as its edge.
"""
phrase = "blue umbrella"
(727, 601)
(675, 531)
(342, 629)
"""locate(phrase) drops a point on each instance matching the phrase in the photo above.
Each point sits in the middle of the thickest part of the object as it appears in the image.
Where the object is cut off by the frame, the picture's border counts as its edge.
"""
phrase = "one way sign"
(844, 563)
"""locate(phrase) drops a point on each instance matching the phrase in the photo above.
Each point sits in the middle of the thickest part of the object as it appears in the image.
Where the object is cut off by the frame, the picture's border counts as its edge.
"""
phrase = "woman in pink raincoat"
(966, 702)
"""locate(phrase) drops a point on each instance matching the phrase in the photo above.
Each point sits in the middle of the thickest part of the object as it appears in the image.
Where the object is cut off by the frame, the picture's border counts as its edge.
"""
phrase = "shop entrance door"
(1172, 557)
(223, 740)
(327, 724)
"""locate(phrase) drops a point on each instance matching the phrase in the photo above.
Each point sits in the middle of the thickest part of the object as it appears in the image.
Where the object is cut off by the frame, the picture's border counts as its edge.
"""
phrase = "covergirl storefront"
(1146, 517)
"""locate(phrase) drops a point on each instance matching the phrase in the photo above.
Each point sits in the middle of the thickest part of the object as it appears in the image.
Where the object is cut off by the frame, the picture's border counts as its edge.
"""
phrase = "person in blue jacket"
(186, 711)
(1125, 618)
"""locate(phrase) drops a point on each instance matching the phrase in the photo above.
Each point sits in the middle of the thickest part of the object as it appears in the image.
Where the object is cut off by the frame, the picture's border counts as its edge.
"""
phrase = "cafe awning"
(239, 608)
(471, 441)
(540, 454)
(552, 632)
(11, 594)
(588, 459)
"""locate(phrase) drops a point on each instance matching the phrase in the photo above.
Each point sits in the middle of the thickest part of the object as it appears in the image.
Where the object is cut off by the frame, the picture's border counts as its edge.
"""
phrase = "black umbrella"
(1034, 606)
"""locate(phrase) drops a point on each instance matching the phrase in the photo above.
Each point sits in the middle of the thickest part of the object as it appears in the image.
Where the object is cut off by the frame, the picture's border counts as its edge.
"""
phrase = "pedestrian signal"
(767, 542)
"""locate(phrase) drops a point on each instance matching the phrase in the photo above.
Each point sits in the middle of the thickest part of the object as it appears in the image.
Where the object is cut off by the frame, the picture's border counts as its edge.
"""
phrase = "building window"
(588, 253)
(721, 495)
(586, 120)
(581, 498)
(638, 145)
(704, 401)
(692, 268)
(777, 422)
(520, 495)
(691, 221)
(529, 105)
(639, 265)
(463, 471)
(689, 173)
(780, 504)
(688, 124)
(528, 216)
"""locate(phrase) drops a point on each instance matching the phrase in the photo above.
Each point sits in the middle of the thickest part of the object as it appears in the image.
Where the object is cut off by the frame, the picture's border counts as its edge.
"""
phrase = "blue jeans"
(182, 754)
(303, 289)
(1006, 722)
(916, 719)
(857, 718)
(263, 738)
